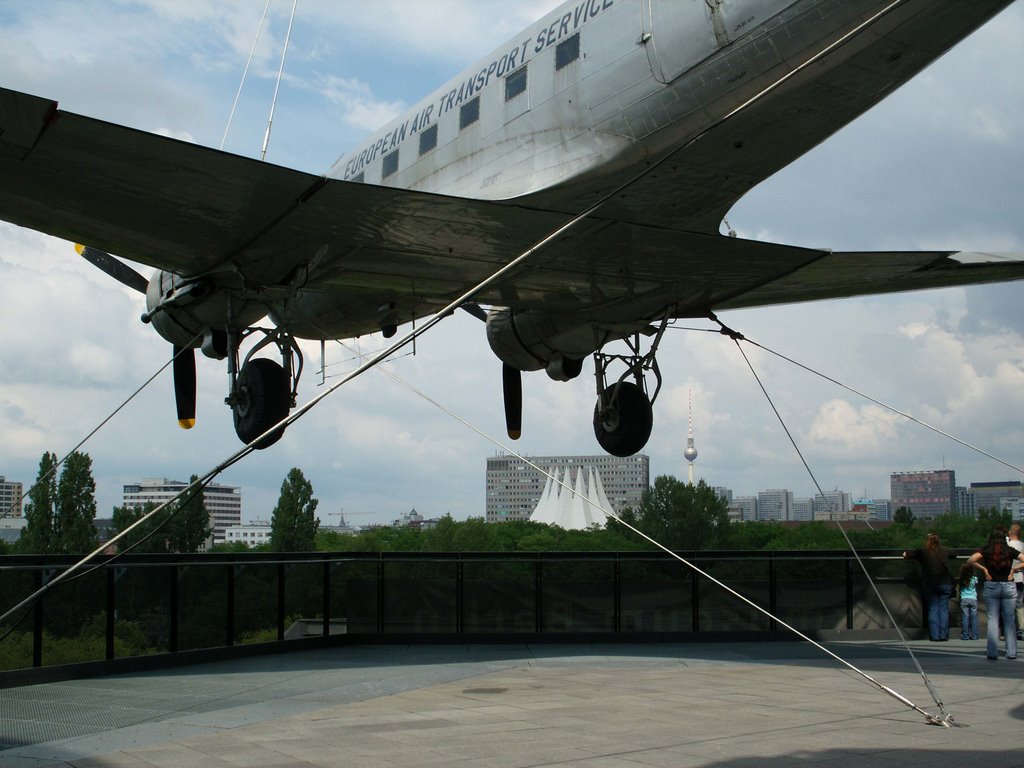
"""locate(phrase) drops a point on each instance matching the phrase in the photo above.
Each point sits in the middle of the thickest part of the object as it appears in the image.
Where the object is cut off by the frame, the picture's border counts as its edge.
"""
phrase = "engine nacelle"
(185, 311)
(533, 339)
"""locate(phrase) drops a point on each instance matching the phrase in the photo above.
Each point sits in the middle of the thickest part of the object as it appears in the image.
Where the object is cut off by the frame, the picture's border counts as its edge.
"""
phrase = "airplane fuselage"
(599, 91)
(574, 180)
(599, 88)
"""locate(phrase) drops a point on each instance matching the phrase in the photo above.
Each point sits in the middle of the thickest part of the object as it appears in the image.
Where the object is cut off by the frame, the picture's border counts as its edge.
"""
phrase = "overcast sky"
(939, 165)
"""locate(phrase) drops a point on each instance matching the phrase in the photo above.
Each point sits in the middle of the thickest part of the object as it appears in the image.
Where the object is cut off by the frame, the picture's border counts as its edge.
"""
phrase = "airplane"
(636, 125)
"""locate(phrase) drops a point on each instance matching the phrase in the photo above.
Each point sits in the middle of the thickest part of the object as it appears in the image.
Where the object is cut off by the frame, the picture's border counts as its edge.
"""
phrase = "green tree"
(293, 525)
(73, 529)
(903, 516)
(40, 509)
(189, 528)
(183, 526)
(142, 538)
(682, 516)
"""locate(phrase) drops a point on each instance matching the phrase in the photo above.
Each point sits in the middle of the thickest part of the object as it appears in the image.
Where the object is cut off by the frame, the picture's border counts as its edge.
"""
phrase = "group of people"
(1000, 563)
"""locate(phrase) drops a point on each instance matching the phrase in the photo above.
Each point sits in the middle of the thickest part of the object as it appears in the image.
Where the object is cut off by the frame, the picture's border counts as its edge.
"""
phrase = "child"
(968, 587)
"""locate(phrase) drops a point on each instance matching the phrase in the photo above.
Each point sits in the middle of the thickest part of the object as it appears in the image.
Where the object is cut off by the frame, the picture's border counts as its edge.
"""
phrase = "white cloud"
(361, 109)
(937, 166)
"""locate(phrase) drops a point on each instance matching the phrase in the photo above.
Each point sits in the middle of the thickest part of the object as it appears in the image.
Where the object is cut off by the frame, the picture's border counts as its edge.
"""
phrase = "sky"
(938, 165)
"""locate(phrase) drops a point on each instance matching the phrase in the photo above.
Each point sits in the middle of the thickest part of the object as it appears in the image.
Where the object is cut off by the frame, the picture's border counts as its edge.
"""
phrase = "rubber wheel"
(262, 398)
(624, 427)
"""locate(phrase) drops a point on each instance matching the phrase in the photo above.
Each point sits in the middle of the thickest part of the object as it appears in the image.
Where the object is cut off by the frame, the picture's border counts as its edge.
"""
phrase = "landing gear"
(623, 416)
(262, 390)
(262, 399)
(623, 425)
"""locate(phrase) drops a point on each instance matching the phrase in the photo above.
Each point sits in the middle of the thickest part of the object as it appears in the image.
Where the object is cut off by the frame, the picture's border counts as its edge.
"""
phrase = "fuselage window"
(469, 113)
(515, 83)
(428, 139)
(358, 179)
(567, 51)
(390, 165)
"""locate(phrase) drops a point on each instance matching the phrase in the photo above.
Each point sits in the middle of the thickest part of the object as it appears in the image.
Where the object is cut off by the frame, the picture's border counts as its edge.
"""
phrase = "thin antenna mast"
(245, 72)
(277, 86)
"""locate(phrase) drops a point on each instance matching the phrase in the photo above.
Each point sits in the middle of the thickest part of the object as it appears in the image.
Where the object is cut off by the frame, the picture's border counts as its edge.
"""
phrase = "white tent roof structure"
(576, 509)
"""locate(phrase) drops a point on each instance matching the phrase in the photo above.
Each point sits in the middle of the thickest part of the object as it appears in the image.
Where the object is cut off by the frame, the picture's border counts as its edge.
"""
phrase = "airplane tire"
(624, 428)
(263, 398)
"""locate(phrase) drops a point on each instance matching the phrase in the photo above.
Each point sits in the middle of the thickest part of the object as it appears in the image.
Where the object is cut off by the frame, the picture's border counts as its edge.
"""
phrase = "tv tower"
(691, 452)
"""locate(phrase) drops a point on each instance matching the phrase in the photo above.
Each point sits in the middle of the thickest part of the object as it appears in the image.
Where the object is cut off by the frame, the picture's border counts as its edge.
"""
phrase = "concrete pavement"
(735, 705)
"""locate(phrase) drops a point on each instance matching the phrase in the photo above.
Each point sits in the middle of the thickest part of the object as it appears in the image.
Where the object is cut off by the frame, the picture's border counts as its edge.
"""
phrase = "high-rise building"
(803, 509)
(965, 502)
(988, 495)
(743, 509)
(926, 493)
(223, 502)
(514, 487)
(832, 505)
(775, 504)
(10, 498)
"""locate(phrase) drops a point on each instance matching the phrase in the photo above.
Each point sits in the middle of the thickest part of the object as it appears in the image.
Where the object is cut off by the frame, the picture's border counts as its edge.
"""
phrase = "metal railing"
(158, 608)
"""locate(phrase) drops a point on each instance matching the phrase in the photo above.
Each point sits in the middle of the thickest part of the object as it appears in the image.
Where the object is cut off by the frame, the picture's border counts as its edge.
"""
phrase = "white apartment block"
(1014, 505)
(250, 534)
(743, 509)
(803, 509)
(223, 502)
(775, 504)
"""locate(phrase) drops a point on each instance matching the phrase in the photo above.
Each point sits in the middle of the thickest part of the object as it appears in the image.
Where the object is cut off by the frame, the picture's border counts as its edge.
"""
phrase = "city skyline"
(248, 514)
(953, 357)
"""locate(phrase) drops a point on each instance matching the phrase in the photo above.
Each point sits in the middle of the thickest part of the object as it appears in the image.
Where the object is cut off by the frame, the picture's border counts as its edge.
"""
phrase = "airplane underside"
(607, 197)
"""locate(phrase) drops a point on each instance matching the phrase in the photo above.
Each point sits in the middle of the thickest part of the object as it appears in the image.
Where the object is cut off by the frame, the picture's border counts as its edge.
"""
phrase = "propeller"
(511, 383)
(183, 363)
(512, 390)
(184, 368)
(116, 269)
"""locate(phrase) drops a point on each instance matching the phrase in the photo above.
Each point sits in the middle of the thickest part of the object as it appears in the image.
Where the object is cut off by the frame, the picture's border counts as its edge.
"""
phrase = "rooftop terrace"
(511, 706)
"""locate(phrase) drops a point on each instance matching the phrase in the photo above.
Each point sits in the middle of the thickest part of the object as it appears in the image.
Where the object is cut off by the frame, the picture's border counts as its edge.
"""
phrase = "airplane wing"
(192, 210)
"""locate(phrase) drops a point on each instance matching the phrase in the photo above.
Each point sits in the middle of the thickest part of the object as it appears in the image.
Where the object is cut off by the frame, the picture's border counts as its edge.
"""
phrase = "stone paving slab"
(722, 706)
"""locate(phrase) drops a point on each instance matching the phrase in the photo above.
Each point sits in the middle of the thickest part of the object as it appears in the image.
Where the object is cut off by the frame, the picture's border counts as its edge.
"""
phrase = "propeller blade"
(512, 389)
(116, 269)
(185, 386)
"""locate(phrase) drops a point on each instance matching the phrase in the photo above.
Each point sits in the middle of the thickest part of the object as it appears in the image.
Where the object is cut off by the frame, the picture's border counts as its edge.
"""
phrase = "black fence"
(160, 610)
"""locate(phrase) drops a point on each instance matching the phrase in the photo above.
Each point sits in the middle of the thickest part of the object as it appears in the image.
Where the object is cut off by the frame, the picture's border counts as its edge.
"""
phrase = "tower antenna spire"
(691, 452)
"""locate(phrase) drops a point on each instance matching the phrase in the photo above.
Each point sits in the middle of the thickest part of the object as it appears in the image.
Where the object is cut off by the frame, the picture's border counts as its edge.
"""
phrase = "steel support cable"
(471, 293)
(898, 412)
(29, 602)
(245, 72)
(100, 426)
(74, 569)
(726, 331)
(277, 85)
(946, 718)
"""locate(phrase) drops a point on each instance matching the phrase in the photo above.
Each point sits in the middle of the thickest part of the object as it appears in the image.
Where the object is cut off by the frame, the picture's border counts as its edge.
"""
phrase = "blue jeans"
(938, 611)
(968, 618)
(1000, 601)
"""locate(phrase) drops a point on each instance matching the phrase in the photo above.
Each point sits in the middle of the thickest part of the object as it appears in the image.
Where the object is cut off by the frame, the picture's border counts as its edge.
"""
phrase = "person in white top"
(1013, 539)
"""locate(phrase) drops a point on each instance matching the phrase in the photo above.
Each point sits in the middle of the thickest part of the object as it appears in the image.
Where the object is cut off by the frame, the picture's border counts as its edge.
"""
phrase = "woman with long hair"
(998, 561)
(936, 584)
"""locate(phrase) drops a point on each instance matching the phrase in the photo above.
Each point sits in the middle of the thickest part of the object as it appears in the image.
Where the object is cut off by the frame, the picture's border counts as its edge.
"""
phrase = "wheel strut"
(623, 415)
